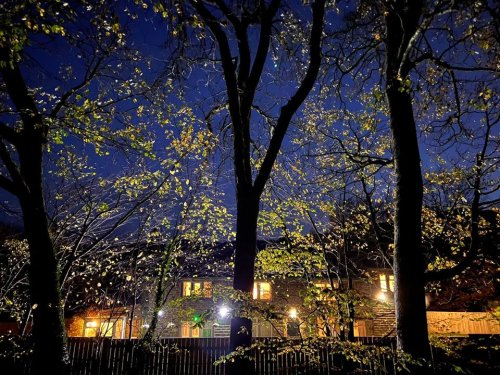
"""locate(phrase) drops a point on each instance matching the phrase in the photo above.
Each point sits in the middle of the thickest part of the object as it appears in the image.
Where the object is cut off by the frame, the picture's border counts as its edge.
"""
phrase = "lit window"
(207, 289)
(90, 328)
(107, 329)
(187, 330)
(386, 282)
(186, 288)
(383, 283)
(262, 290)
(191, 288)
(96, 327)
(196, 288)
(195, 332)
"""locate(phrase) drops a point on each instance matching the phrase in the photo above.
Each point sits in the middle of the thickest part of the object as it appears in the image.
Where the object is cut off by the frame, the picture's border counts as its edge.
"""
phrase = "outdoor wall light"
(293, 313)
(145, 326)
(382, 296)
(224, 311)
(161, 313)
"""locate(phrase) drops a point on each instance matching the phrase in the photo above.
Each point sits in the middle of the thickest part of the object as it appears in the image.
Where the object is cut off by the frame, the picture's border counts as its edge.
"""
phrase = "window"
(386, 282)
(107, 329)
(188, 330)
(195, 332)
(197, 288)
(262, 290)
(292, 329)
(90, 328)
(96, 327)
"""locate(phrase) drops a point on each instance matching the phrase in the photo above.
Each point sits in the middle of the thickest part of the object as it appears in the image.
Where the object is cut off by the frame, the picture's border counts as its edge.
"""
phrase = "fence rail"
(196, 356)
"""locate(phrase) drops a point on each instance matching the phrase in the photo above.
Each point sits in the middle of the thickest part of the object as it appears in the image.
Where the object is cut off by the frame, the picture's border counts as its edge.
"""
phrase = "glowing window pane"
(106, 329)
(90, 332)
(383, 283)
(262, 290)
(207, 289)
(186, 288)
(391, 283)
(185, 327)
(196, 288)
(195, 332)
(91, 327)
(265, 291)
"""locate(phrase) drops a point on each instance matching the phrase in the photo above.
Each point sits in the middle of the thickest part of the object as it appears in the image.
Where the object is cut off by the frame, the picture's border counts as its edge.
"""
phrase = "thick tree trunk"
(245, 252)
(49, 333)
(409, 296)
(402, 23)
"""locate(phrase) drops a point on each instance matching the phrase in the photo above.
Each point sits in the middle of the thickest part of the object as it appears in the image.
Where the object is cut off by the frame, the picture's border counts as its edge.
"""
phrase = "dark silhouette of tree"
(38, 113)
(243, 33)
(394, 47)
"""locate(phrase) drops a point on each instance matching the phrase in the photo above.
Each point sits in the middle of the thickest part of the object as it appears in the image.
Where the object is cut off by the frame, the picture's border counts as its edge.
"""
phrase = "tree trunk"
(245, 252)
(49, 333)
(402, 22)
(350, 311)
(409, 296)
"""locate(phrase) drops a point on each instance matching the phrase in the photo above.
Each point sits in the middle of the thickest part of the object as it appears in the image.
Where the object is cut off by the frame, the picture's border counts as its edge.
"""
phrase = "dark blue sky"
(149, 35)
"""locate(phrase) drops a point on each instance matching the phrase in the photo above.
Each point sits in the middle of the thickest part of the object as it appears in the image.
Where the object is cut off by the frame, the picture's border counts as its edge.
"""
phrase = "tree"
(37, 115)
(399, 46)
(243, 74)
(402, 22)
(25, 181)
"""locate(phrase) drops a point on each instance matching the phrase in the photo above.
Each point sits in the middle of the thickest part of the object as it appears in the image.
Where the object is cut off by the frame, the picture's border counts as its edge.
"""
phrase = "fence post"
(102, 369)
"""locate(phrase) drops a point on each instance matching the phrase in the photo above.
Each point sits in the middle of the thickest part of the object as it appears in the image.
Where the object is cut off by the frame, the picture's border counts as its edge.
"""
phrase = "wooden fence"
(462, 323)
(196, 356)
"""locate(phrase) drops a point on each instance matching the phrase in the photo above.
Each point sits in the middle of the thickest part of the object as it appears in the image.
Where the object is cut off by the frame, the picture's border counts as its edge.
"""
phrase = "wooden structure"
(196, 356)
(462, 323)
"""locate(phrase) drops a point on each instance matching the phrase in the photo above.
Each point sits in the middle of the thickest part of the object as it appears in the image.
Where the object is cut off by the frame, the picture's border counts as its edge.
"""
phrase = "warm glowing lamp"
(382, 296)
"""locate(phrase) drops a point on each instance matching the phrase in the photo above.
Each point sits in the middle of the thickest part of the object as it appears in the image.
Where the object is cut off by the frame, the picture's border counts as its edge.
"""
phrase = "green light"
(196, 318)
